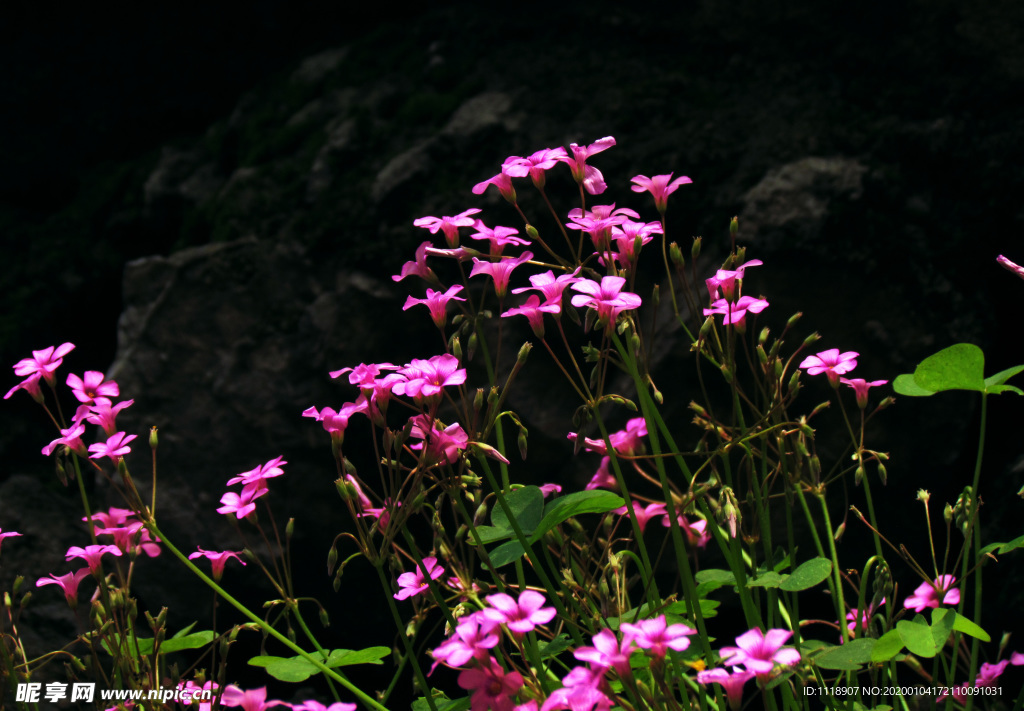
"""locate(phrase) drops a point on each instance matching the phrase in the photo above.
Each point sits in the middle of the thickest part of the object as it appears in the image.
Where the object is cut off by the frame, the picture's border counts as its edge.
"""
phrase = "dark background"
(136, 131)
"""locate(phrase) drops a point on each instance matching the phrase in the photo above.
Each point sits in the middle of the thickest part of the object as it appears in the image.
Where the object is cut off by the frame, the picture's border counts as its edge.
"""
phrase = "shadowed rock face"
(878, 210)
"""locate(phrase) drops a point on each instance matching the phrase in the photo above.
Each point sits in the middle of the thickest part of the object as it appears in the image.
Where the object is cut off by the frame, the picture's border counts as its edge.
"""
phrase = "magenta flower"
(92, 555)
(550, 287)
(112, 518)
(1006, 264)
(103, 413)
(732, 683)
(337, 422)
(418, 267)
(251, 700)
(603, 477)
(436, 302)
(471, 639)
(626, 236)
(599, 222)
(92, 386)
(116, 446)
(519, 616)
(832, 363)
(627, 441)
(643, 513)
(939, 592)
(43, 363)
(534, 311)
(988, 676)
(132, 538)
(382, 514)
(71, 438)
(241, 505)
(251, 478)
(725, 279)
(500, 271)
(534, 165)
(736, 314)
(503, 182)
(660, 186)
(759, 652)
(499, 237)
(547, 489)
(657, 637)
(443, 445)
(426, 378)
(860, 388)
(696, 533)
(608, 652)
(68, 583)
(492, 687)
(29, 385)
(607, 298)
(414, 583)
(580, 692)
(587, 175)
(8, 534)
(365, 374)
(217, 560)
(448, 225)
(312, 705)
(864, 617)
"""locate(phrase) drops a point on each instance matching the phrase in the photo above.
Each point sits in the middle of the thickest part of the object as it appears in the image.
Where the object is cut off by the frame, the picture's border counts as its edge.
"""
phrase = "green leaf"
(1001, 377)
(188, 641)
(917, 635)
(296, 669)
(996, 389)
(507, 553)
(887, 646)
(348, 657)
(770, 579)
(492, 534)
(959, 367)
(1002, 548)
(942, 625)
(808, 574)
(905, 385)
(964, 625)
(527, 506)
(556, 646)
(580, 502)
(858, 706)
(848, 656)
(442, 704)
(716, 576)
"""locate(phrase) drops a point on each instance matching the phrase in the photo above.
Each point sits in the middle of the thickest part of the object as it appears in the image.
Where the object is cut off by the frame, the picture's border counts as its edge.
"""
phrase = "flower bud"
(734, 227)
(61, 474)
(793, 319)
(883, 474)
(325, 620)
(456, 347)
(676, 255)
(532, 231)
(840, 530)
(472, 346)
(762, 337)
(289, 529)
(858, 476)
(727, 372)
(521, 441)
(741, 255)
(761, 355)
(947, 514)
(812, 339)
(695, 249)
(524, 353)
(480, 514)
(153, 441)
(332, 559)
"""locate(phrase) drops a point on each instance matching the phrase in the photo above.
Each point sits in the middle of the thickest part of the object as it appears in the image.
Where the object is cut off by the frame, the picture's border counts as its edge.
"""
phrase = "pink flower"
(71, 438)
(251, 478)
(92, 386)
(217, 560)
(337, 422)
(534, 311)
(499, 237)
(132, 538)
(534, 165)
(760, 651)
(599, 221)
(548, 489)
(736, 313)
(939, 592)
(627, 441)
(987, 676)
(589, 176)
(550, 287)
(832, 363)
(660, 186)
(92, 555)
(492, 687)
(312, 705)
(68, 583)
(9, 534)
(860, 388)
(417, 267)
(241, 505)
(471, 639)
(414, 583)
(112, 518)
(436, 302)
(500, 271)
(626, 236)
(443, 445)
(193, 689)
(448, 225)
(519, 616)
(251, 700)
(102, 413)
(426, 378)
(732, 683)
(657, 637)
(696, 533)
(607, 298)
(116, 446)
(608, 652)
(603, 477)
(643, 513)
(1006, 263)
(503, 182)
(365, 374)
(29, 385)
(382, 514)
(580, 692)
(43, 363)
(864, 617)
(725, 279)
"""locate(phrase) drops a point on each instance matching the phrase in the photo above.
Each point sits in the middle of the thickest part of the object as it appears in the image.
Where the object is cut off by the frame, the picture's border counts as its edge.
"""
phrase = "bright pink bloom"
(643, 513)
(102, 412)
(43, 363)
(365, 374)
(443, 445)
(860, 388)
(418, 267)
(9, 534)
(29, 385)
(251, 700)
(626, 236)
(92, 386)
(241, 505)
(599, 222)
(589, 176)
(1017, 659)
(116, 446)
(492, 687)
(939, 592)
(550, 287)
(337, 422)
(736, 313)
(534, 165)
(218, 559)
(132, 538)
(657, 637)
(725, 279)
(503, 182)
(68, 583)
(603, 477)
(112, 518)
(865, 617)
(414, 583)
(436, 302)
(448, 225)
(548, 489)
(607, 298)
(608, 652)
(71, 438)
(500, 271)
(696, 533)
(264, 471)
(519, 616)
(193, 689)
(426, 378)
(311, 705)
(534, 311)
(471, 639)
(759, 652)
(732, 683)
(988, 675)
(627, 441)
(832, 363)
(382, 514)
(1006, 264)
(660, 186)
(499, 237)
(92, 555)
(580, 692)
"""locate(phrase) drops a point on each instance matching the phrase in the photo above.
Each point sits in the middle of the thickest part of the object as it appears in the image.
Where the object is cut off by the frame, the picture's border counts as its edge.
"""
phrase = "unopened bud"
(521, 441)
(478, 399)
(532, 231)
(676, 255)
(762, 337)
(812, 339)
(325, 619)
(883, 474)
(480, 515)
(858, 476)
(761, 355)
(794, 318)
(840, 530)
(695, 249)
(706, 327)
(18, 582)
(472, 346)
(656, 294)
(289, 529)
(332, 559)
(524, 353)
(456, 346)
(734, 227)
(153, 440)
(794, 382)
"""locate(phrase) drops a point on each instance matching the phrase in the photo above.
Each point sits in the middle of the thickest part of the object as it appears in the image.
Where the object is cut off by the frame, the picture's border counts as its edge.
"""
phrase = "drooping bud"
(521, 441)
(332, 559)
(883, 474)
(325, 619)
